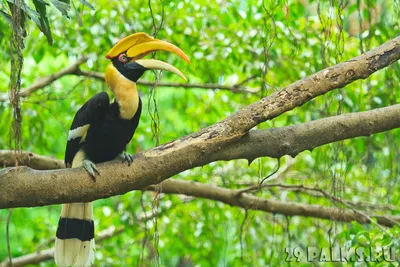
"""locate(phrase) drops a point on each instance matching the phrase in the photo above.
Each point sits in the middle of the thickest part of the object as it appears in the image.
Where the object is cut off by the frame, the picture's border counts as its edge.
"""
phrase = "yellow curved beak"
(154, 64)
(140, 44)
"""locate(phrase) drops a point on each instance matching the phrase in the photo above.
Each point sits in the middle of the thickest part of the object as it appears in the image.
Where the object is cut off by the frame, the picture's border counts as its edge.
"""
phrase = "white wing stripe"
(78, 132)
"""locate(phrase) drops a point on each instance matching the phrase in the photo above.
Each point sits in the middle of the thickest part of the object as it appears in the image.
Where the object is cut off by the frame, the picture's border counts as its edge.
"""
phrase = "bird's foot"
(126, 157)
(91, 168)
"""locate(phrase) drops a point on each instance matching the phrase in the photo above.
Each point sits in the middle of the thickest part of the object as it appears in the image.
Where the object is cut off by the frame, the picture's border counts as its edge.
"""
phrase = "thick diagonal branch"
(240, 199)
(317, 84)
(24, 187)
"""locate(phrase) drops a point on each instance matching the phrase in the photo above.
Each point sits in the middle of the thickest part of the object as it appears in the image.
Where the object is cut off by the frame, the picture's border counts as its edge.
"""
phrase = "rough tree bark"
(228, 196)
(207, 145)
(30, 159)
(239, 198)
(275, 142)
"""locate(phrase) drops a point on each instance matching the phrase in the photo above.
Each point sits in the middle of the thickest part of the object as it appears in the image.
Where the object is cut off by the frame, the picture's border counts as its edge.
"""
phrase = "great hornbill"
(100, 132)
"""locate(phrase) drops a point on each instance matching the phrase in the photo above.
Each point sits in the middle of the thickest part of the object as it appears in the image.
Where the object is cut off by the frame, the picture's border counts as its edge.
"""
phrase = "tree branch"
(248, 201)
(235, 88)
(45, 81)
(318, 193)
(75, 70)
(152, 166)
(240, 199)
(317, 84)
(30, 159)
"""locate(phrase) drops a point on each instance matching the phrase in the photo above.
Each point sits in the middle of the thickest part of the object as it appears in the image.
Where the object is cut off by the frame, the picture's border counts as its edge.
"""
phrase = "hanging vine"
(16, 60)
(155, 129)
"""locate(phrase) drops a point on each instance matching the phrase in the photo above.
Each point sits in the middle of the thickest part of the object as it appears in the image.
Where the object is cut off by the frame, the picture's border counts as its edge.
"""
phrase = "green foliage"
(39, 16)
(43, 20)
(227, 42)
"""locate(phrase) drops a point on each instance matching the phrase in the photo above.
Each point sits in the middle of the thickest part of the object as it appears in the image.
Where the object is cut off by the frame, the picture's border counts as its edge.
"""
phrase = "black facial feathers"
(131, 70)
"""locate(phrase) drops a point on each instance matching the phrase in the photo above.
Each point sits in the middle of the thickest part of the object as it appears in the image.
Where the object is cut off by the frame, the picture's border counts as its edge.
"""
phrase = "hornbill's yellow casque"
(100, 132)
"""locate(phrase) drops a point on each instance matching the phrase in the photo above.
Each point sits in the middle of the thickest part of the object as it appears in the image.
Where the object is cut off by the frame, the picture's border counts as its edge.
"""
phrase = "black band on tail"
(75, 228)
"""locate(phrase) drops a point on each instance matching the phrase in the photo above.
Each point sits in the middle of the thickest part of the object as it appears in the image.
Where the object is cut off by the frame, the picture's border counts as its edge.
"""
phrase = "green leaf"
(43, 25)
(352, 8)
(86, 3)
(27, 10)
(23, 14)
(78, 17)
(39, 53)
(3, 5)
(43, 2)
(6, 16)
(62, 6)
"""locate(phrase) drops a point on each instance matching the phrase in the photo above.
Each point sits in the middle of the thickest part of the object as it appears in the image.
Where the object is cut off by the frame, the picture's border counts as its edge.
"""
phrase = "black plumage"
(75, 228)
(100, 132)
(107, 134)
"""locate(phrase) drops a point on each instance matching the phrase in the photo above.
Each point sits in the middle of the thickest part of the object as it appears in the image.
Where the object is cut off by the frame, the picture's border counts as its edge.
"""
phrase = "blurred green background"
(274, 44)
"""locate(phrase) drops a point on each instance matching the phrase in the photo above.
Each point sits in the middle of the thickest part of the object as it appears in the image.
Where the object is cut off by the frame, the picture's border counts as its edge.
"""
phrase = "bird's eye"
(122, 58)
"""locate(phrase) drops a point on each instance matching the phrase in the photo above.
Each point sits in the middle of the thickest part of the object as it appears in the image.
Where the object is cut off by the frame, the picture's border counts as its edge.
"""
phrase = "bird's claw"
(91, 168)
(126, 157)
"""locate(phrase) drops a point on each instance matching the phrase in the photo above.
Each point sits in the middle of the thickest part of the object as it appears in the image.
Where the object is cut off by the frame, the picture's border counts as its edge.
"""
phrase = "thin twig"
(155, 28)
(233, 88)
(255, 76)
(8, 236)
(146, 232)
(336, 199)
(274, 175)
(75, 70)
(271, 174)
(241, 231)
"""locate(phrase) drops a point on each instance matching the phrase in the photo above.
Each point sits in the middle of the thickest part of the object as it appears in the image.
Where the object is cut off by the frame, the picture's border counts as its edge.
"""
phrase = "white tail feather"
(87, 252)
(74, 252)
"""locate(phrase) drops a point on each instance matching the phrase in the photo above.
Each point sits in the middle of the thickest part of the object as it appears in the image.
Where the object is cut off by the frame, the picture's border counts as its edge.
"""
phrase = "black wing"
(92, 115)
